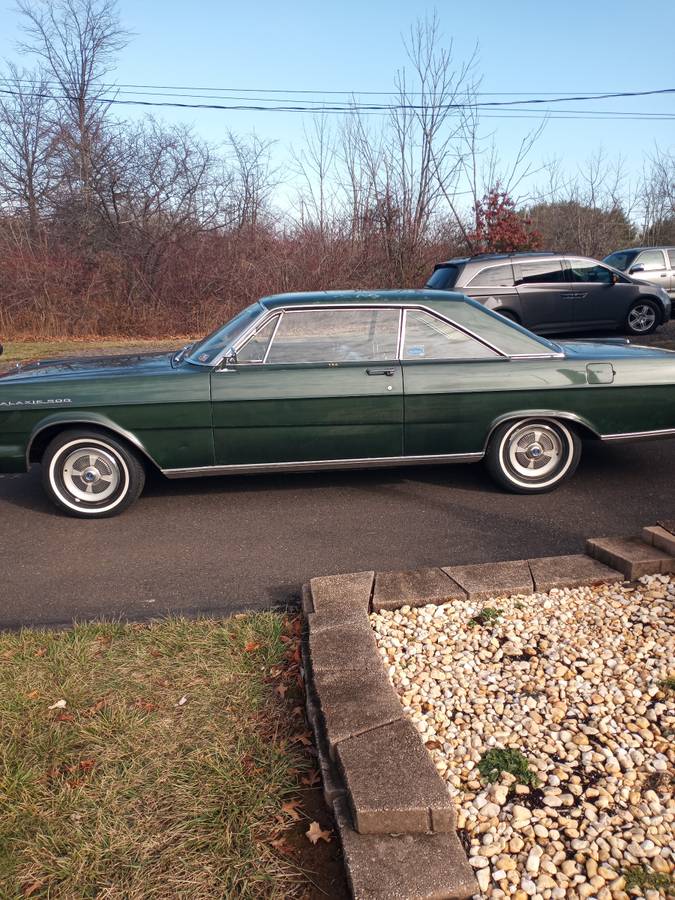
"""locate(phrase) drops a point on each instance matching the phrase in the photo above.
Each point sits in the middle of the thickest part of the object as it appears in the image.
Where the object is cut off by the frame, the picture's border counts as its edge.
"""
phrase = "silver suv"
(653, 264)
(552, 292)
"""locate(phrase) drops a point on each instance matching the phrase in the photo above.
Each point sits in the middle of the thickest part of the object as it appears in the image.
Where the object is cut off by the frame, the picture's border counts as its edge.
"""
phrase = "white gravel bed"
(576, 680)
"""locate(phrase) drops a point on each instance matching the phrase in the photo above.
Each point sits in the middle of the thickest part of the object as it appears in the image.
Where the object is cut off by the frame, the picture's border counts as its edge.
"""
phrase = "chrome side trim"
(638, 435)
(318, 465)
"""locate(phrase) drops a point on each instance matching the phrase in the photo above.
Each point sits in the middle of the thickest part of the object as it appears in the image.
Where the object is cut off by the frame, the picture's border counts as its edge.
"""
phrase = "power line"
(512, 109)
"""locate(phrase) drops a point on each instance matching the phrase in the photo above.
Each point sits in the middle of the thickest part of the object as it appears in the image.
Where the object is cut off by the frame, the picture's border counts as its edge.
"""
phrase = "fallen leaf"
(291, 809)
(282, 846)
(433, 745)
(33, 695)
(64, 717)
(156, 653)
(311, 778)
(251, 646)
(87, 764)
(60, 704)
(304, 738)
(281, 690)
(98, 706)
(31, 887)
(41, 651)
(315, 833)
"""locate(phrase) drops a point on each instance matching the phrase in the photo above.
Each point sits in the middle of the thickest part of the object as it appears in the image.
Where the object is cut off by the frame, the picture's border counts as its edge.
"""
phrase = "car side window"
(540, 272)
(335, 335)
(582, 271)
(255, 348)
(652, 260)
(671, 257)
(428, 337)
(493, 276)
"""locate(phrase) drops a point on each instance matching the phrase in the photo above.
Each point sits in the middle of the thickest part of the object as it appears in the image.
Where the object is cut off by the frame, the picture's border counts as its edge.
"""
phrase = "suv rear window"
(444, 278)
(493, 276)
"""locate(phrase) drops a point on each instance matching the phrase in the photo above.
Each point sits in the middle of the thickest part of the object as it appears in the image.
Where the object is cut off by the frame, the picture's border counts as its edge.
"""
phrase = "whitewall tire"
(532, 456)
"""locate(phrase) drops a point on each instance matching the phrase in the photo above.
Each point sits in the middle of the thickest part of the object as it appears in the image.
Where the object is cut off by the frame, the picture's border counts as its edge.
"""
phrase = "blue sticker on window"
(416, 351)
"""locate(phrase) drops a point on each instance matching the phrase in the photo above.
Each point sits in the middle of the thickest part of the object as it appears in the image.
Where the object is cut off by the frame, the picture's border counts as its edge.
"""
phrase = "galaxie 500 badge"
(58, 402)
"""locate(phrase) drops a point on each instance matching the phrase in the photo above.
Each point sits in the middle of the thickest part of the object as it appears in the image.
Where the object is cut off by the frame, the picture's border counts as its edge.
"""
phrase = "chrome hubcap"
(534, 452)
(91, 474)
(641, 318)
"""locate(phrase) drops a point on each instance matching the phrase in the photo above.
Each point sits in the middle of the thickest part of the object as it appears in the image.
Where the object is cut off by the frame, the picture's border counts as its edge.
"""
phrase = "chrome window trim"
(464, 330)
(403, 307)
(312, 465)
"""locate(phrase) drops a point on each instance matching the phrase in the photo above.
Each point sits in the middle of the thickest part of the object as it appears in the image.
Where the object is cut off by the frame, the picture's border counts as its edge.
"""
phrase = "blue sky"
(524, 46)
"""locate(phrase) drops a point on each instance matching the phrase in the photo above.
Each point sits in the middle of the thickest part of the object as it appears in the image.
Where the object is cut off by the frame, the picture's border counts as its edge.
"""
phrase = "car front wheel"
(91, 475)
(532, 456)
(643, 317)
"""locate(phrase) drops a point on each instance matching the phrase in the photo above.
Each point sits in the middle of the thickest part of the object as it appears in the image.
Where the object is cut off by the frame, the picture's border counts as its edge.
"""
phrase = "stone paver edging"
(392, 809)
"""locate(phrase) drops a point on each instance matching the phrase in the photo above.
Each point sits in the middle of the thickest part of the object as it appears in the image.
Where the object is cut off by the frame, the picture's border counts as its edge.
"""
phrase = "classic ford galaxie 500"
(331, 380)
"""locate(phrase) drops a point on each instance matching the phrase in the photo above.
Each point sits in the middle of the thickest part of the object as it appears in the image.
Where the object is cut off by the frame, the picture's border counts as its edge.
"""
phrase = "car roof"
(395, 297)
(640, 249)
(488, 257)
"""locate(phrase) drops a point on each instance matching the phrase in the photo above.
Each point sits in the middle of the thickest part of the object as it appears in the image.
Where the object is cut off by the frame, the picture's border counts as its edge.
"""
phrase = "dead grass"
(164, 774)
(18, 351)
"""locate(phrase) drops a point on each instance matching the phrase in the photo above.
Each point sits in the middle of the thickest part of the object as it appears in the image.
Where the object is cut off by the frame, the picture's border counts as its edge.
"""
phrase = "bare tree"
(27, 145)
(77, 42)
(657, 192)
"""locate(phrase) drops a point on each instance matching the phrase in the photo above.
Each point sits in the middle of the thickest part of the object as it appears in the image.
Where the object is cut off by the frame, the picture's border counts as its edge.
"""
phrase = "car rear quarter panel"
(452, 407)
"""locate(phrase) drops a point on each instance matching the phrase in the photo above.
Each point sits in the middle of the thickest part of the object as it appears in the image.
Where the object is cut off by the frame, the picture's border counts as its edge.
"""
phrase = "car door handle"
(388, 372)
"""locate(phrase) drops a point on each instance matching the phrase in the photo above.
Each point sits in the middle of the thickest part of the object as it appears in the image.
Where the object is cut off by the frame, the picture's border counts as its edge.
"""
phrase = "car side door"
(545, 301)
(313, 384)
(600, 299)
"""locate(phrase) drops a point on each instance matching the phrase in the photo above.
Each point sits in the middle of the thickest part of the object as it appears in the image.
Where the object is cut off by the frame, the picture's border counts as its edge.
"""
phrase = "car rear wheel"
(643, 317)
(532, 456)
(90, 474)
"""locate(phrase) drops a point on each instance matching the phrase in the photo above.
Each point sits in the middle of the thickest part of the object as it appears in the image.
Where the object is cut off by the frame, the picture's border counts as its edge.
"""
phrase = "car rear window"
(508, 337)
(444, 278)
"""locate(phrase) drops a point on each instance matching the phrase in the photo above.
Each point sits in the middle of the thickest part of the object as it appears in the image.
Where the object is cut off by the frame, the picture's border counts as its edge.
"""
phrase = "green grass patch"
(668, 684)
(646, 879)
(487, 616)
(495, 761)
(162, 774)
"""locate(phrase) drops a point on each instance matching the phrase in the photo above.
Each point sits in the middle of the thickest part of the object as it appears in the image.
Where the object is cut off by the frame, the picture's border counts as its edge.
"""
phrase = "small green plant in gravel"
(495, 761)
(486, 616)
(668, 684)
(646, 879)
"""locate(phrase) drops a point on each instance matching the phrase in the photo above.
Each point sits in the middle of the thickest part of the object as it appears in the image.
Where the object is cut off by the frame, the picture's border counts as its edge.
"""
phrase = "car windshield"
(621, 259)
(206, 351)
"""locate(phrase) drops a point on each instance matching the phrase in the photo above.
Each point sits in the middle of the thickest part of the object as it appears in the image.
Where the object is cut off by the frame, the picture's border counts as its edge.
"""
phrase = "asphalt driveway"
(221, 545)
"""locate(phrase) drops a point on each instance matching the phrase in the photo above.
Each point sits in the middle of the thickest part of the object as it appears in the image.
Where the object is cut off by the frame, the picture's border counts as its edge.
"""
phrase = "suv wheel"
(91, 475)
(532, 456)
(643, 317)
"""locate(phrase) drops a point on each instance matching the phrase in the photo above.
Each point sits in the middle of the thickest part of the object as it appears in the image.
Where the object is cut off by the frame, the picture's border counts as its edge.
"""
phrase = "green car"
(328, 381)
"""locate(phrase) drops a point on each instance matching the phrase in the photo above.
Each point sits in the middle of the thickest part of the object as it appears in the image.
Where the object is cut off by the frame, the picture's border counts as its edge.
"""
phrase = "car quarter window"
(493, 276)
(428, 337)
(671, 257)
(539, 272)
(651, 260)
(581, 270)
(335, 335)
(255, 348)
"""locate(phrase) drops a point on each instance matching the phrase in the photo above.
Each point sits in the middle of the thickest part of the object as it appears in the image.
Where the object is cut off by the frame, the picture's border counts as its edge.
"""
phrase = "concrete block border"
(395, 818)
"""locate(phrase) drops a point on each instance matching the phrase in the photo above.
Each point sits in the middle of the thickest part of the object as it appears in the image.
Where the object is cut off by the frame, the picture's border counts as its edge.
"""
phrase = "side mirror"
(635, 269)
